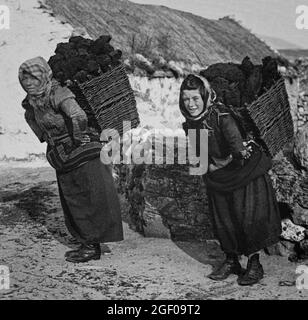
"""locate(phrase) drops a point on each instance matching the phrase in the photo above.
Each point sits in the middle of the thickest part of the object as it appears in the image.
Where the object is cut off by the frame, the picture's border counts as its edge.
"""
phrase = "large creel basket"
(272, 117)
(110, 99)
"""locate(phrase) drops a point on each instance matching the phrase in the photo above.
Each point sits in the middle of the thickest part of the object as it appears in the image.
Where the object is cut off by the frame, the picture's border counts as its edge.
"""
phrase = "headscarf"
(38, 68)
(210, 97)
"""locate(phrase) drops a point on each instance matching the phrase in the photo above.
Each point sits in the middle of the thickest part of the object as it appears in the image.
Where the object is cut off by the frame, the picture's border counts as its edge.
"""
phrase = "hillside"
(173, 34)
(293, 54)
(278, 43)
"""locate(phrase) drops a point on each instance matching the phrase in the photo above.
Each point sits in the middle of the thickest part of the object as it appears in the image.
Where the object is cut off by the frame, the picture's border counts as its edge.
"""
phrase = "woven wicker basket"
(109, 101)
(271, 115)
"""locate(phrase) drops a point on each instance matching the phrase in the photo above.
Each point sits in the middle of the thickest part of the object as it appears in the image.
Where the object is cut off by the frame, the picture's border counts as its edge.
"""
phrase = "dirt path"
(33, 240)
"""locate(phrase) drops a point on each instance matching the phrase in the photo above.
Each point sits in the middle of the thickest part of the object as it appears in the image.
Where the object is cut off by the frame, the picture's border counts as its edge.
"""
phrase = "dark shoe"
(105, 250)
(70, 252)
(254, 272)
(86, 253)
(229, 266)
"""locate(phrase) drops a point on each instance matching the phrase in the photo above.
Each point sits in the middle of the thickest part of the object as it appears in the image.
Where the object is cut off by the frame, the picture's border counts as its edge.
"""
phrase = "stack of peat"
(257, 96)
(94, 72)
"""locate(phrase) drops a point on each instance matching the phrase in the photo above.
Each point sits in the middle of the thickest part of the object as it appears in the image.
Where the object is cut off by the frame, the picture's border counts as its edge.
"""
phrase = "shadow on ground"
(39, 204)
(208, 253)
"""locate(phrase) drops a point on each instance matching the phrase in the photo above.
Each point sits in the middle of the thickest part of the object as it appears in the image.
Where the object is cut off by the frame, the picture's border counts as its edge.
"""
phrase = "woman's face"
(30, 83)
(193, 102)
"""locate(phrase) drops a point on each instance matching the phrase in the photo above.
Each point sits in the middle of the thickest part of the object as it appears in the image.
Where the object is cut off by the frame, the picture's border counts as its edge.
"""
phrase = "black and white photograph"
(153, 150)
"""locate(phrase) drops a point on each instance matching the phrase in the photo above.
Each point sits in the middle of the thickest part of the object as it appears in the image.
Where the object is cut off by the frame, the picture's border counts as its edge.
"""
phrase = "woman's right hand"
(48, 139)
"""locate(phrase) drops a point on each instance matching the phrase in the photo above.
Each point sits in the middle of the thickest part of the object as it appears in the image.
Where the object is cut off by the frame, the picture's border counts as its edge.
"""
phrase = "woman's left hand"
(83, 139)
(247, 152)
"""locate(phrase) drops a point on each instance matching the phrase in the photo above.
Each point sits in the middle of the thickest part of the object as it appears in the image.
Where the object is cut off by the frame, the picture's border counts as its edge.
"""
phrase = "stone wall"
(167, 195)
(165, 200)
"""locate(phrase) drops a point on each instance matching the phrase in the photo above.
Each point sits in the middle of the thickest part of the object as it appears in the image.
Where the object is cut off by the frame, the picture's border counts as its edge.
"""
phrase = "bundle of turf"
(93, 71)
(241, 84)
(257, 97)
(83, 59)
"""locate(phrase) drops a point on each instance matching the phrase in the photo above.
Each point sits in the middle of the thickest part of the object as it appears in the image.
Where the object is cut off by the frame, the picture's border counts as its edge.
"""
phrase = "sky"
(273, 18)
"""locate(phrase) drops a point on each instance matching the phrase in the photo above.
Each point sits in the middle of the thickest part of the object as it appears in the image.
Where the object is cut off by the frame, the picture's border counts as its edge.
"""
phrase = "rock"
(160, 62)
(301, 145)
(286, 181)
(162, 74)
(141, 62)
(304, 246)
(139, 72)
(176, 68)
(303, 199)
(165, 200)
(80, 31)
(291, 231)
(127, 64)
(153, 223)
(300, 215)
(282, 248)
(196, 68)
(282, 70)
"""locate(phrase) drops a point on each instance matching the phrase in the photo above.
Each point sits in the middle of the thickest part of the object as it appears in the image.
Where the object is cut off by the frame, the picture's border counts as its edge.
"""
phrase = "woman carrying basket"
(241, 198)
(86, 187)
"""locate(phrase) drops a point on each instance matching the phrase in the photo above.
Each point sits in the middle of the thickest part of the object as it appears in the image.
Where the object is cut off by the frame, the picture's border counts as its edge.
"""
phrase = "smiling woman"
(194, 97)
(241, 197)
(193, 102)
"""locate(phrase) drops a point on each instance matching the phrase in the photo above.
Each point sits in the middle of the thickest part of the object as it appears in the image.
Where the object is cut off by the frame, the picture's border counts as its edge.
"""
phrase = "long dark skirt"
(247, 219)
(90, 203)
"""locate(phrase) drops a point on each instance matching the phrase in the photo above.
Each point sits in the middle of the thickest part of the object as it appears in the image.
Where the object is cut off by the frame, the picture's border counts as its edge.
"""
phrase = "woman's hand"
(82, 139)
(85, 139)
(247, 152)
(48, 139)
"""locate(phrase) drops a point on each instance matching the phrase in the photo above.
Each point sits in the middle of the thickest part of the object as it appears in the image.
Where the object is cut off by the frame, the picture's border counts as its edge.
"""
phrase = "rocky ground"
(34, 240)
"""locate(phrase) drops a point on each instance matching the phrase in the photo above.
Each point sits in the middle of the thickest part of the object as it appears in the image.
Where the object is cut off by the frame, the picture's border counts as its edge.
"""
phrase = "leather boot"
(230, 266)
(85, 253)
(254, 272)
